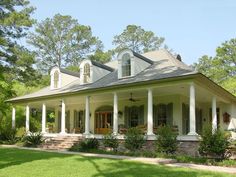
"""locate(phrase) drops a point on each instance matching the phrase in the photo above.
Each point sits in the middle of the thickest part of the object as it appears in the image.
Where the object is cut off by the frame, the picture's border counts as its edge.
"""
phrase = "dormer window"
(126, 65)
(56, 79)
(86, 73)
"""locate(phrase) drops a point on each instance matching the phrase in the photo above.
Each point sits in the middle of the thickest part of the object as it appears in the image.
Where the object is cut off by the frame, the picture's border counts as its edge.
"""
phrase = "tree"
(222, 67)
(136, 38)
(62, 41)
(102, 56)
(15, 62)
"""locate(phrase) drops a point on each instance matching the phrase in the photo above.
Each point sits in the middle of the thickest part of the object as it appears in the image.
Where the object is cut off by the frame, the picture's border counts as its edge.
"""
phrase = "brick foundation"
(184, 147)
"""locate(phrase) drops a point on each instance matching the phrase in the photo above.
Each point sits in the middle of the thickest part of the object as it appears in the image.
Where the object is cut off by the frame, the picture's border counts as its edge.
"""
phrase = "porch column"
(87, 115)
(13, 123)
(27, 115)
(115, 114)
(214, 115)
(150, 113)
(44, 118)
(63, 117)
(192, 113)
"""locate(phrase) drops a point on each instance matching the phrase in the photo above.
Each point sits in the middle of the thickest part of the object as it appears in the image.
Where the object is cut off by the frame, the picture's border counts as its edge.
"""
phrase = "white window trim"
(52, 78)
(83, 63)
(120, 64)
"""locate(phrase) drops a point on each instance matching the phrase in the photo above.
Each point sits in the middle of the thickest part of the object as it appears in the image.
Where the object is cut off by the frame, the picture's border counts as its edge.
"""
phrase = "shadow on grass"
(14, 156)
(118, 168)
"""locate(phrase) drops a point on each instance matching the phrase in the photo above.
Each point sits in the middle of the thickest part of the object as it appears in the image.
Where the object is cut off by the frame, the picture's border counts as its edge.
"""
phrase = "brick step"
(60, 143)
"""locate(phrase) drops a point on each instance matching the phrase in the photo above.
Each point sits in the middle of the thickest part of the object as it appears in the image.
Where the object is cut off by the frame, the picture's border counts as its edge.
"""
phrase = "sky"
(192, 28)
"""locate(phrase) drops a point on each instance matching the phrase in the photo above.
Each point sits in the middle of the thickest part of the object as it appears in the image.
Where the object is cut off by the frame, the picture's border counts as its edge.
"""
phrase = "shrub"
(20, 133)
(33, 139)
(166, 140)
(214, 144)
(110, 141)
(8, 135)
(85, 145)
(134, 139)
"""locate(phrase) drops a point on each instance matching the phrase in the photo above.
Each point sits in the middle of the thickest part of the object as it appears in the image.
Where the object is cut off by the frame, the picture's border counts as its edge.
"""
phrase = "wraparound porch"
(185, 106)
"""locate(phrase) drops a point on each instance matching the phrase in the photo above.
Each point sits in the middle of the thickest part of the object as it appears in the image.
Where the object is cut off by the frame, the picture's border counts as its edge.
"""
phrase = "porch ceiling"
(202, 95)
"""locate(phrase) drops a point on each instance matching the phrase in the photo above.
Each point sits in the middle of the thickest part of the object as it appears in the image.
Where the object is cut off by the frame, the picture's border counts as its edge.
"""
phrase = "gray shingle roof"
(164, 66)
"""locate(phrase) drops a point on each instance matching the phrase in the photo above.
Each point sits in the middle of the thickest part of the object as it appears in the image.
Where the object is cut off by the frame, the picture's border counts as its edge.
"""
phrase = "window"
(86, 73)
(56, 79)
(134, 116)
(126, 66)
(163, 114)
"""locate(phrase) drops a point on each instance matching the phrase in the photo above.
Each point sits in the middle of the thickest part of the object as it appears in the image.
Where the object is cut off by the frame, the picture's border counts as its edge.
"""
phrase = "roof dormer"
(61, 77)
(91, 71)
(131, 63)
(86, 72)
(55, 78)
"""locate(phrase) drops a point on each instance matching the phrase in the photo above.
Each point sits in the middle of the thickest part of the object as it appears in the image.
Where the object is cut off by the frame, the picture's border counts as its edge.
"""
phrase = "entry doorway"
(103, 122)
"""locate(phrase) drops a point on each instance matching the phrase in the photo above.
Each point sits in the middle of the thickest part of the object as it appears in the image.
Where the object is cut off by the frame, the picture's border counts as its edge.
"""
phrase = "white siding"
(66, 79)
(139, 65)
(98, 73)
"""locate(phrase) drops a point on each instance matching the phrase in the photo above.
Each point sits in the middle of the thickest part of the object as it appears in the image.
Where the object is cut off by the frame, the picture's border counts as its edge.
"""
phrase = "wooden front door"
(103, 122)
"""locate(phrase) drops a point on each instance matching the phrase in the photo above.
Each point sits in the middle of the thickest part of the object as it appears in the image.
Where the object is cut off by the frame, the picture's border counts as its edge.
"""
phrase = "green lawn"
(26, 163)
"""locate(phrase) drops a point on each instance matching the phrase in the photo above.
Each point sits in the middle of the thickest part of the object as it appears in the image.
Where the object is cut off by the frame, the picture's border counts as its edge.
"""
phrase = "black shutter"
(169, 114)
(141, 115)
(155, 117)
(59, 121)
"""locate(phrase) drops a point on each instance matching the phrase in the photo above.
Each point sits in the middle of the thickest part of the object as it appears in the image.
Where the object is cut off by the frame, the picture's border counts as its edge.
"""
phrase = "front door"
(103, 122)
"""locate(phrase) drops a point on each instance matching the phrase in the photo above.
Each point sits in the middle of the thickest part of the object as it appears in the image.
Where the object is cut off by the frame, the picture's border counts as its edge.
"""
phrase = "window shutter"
(155, 117)
(127, 116)
(170, 114)
(75, 119)
(59, 121)
(141, 115)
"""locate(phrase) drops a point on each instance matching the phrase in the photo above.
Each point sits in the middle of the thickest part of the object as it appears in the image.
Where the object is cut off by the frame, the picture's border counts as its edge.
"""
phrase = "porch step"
(60, 142)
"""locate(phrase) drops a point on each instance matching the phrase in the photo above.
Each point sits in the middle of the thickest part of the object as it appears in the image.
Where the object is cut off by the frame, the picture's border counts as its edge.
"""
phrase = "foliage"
(15, 60)
(134, 139)
(139, 40)
(101, 56)
(214, 143)
(166, 140)
(62, 41)
(222, 67)
(86, 145)
(33, 139)
(20, 133)
(8, 135)
(111, 141)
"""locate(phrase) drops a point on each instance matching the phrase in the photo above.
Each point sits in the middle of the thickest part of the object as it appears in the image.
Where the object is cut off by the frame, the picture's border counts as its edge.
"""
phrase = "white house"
(135, 90)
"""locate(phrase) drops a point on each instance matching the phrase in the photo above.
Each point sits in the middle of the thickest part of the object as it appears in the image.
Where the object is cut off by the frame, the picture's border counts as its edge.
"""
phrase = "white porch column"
(115, 114)
(27, 115)
(192, 113)
(87, 115)
(214, 115)
(44, 118)
(150, 113)
(63, 117)
(13, 123)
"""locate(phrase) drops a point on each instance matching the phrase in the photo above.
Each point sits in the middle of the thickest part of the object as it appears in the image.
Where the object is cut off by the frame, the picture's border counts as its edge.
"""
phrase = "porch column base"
(192, 134)
(62, 133)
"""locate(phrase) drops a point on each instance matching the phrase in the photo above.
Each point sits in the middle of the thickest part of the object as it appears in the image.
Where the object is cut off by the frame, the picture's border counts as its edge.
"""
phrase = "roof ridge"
(66, 71)
(101, 65)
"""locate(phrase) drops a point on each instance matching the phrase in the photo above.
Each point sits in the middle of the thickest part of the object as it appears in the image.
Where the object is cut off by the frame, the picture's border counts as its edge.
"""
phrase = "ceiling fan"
(132, 99)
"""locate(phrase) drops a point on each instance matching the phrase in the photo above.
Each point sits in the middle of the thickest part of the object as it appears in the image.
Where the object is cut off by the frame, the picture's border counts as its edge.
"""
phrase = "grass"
(25, 163)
